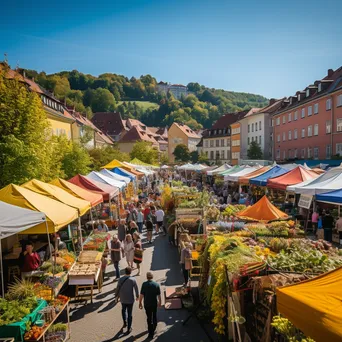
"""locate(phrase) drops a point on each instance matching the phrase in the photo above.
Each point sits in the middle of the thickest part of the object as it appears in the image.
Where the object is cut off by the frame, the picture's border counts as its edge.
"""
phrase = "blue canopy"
(124, 173)
(334, 197)
(274, 172)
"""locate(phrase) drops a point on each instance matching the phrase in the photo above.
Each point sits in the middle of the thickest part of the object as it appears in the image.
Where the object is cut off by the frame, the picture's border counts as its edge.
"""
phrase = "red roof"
(227, 119)
(137, 134)
(187, 130)
(109, 122)
(295, 176)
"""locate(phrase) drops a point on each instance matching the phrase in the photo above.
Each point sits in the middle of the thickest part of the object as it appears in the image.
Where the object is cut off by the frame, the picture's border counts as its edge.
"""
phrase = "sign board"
(305, 201)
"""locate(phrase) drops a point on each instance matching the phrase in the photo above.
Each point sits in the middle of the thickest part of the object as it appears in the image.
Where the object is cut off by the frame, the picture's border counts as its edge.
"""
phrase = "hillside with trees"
(109, 92)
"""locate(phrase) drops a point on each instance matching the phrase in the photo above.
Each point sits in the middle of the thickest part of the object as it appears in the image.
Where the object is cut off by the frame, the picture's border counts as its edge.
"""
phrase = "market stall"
(113, 175)
(244, 180)
(99, 177)
(262, 179)
(234, 177)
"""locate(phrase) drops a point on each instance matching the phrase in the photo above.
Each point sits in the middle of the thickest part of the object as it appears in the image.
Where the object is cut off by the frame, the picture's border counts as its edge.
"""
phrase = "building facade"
(181, 134)
(177, 90)
(309, 124)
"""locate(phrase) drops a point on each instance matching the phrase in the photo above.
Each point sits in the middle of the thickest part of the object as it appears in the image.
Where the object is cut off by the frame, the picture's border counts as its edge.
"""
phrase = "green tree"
(144, 151)
(254, 151)
(102, 101)
(164, 158)
(181, 153)
(203, 158)
(194, 156)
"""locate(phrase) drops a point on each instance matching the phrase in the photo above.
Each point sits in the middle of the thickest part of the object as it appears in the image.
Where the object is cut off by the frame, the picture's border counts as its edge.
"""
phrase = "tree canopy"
(254, 151)
(144, 151)
(181, 153)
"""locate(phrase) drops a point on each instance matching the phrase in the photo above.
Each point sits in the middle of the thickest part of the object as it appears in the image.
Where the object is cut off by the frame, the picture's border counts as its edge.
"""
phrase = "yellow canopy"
(314, 306)
(58, 194)
(113, 164)
(58, 215)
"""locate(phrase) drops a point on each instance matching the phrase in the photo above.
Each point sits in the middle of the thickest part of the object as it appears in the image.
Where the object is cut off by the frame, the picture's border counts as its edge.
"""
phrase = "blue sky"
(272, 48)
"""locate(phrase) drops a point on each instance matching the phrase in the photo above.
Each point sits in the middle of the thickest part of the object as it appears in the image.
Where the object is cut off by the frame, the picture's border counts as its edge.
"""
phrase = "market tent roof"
(294, 186)
(333, 197)
(58, 215)
(245, 179)
(234, 177)
(314, 306)
(329, 181)
(131, 169)
(78, 191)
(106, 191)
(318, 170)
(295, 176)
(233, 169)
(58, 194)
(273, 172)
(14, 220)
(145, 171)
(96, 176)
(123, 172)
(111, 165)
(136, 161)
(263, 210)
(219, 169)
(115, 176)
(165, 167)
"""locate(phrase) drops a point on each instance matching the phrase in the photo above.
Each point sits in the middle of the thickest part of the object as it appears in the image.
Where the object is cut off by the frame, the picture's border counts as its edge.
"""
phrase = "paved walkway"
(101, 321)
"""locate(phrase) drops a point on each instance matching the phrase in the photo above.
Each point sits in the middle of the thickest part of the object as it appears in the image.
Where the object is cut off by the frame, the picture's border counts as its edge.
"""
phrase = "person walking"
(140, 219)
(150, 294)
(149, 229)
(133, 227)
(115, 253)
(122, 230)
(160, 220)
(314, 221)
(127, 287)
(128, 248)
(138, 251)
(186, 262)
(328, 225)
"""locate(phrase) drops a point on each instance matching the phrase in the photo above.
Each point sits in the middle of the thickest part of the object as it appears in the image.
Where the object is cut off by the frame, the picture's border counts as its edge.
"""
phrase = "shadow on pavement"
(80, 311)
(121, 335)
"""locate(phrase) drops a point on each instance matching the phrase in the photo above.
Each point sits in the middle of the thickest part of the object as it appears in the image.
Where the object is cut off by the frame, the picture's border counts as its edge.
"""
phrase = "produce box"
(320, 234)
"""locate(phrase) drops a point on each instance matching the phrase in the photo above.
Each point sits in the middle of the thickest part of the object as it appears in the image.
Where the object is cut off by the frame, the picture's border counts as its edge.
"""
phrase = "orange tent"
(79, 192)
(245, 179)
(133, 171)
(295, 176)
(314, 306)
(263, 210)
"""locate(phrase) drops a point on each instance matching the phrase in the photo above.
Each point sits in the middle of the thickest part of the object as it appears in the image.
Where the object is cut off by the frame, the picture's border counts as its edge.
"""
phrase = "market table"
(18, 329)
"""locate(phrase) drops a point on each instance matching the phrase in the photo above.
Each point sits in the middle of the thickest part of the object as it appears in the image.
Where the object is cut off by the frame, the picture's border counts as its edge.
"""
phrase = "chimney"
(330, 72)
(272, 101)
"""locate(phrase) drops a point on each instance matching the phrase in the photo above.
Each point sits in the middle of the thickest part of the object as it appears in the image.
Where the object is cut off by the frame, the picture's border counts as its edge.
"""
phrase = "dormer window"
(291, 101)
(298, 97)
(319, 87)
(220, 131)
(307, 92)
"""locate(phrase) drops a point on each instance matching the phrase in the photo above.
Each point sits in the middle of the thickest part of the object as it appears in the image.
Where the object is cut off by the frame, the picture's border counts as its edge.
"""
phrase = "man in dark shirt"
(150, 293)
(328, 224)
(115, 253)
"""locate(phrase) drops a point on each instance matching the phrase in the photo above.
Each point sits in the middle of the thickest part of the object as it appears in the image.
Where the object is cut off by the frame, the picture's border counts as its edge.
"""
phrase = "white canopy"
(329, 181)
(104, 179)
(165, 167)
(234, 177)
(115, 176)
(221, 168)
(14, 220)
(146, 172)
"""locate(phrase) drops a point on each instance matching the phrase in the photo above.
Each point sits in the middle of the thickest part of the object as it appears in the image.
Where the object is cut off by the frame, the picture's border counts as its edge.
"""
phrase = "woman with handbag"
(138, 251)
(186, 262)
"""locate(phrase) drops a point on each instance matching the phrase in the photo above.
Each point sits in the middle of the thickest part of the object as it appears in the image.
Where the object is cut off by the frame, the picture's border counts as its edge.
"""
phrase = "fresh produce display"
(56, 333)
(34, 333)
(187, 204)
(223, 226)
(288, 330)
(43, 291)
(96, 242)
(232, 210)
(191, 225)
(213, 213)
(20, 289)
(14, 310)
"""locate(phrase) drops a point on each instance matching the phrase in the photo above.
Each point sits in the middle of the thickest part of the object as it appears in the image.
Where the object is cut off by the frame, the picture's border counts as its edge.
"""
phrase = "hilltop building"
(177, 90)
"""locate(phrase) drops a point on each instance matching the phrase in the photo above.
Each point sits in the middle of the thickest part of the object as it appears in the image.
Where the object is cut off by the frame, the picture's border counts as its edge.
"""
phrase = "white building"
(177, 90)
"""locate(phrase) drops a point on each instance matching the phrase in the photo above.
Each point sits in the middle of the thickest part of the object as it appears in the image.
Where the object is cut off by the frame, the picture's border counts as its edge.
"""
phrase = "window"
(259, 125)
(284, 155)
(339, 149)
(222, 154)
(222, 142)
(339, 100)
(252, 127)
(316, 129)
(295, 153)
(211, 154)
(295, 134)
(284, 136)
(328, 127)
(206, 143)
(298, 96)
(303, 132)
(228, 142)
(303, 113)
(284, 119)
(307, 92)
(295, 117)
(290, 117)
(289, 154)
(328, 104)
(319, 87)
(211, 143)
(219, 131)
(328, 151)
(206, 153)
(256, 127)
(339, 125)
(272, 122)
(315, 153)
(309, 152)
(259, 139)
(217, 155)
(303, 153)
(278, 138)
(278, 121)
(248, 128)
(252, 139)
(290, 135)
(316, 108)
(310, 131)
(278, 154)
(248, 141)
(217, 143)
(309, 110)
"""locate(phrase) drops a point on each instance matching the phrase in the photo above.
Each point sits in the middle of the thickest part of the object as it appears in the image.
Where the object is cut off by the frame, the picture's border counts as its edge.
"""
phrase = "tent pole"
(49, 242)
(2, 271)
(79, 226)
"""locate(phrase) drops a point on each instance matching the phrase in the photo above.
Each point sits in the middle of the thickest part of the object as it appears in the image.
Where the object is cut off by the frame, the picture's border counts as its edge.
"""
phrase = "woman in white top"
(129, 249)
